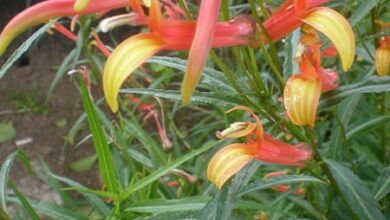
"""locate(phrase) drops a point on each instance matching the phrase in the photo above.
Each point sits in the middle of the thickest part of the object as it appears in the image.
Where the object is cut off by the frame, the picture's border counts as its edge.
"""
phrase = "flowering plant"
(309, 132)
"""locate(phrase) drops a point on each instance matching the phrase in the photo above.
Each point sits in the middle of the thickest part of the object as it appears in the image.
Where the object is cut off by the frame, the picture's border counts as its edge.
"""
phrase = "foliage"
(146, 175)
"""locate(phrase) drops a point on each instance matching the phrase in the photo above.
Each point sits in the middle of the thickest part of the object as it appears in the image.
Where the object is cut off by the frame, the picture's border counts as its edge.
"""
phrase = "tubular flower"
(198, 36)
(167, 34)
(301, 97)
(293, 14)
(303, 90)
(260, 146)
(47, 10)
(382, 57)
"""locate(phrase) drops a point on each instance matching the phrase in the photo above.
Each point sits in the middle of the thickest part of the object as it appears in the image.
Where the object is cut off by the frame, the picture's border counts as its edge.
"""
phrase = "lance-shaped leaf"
(228, 162)
(205, 28)
(127, 57)
(80, 5)
(334, 26)
(47, 10)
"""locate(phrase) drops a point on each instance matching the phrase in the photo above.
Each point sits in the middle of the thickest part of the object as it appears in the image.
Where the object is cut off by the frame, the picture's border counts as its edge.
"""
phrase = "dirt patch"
(22, 101)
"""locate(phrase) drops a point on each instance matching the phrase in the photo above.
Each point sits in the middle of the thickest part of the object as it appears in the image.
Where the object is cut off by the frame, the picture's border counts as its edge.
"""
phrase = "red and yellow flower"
(303, 90)
(382, 57)
(259, 146)
(177, 34)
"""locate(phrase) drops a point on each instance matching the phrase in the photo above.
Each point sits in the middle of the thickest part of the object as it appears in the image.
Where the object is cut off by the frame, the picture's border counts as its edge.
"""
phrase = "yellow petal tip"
(335, 27)
(227, 162)
(124, 60)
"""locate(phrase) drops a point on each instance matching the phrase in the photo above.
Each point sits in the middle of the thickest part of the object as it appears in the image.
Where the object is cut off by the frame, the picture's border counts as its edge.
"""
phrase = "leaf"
(155, 150)
(95, 201)
(210, 77)
(382, 184)
(62, 70)
(362, 11)
(185, 215)
(360, 201)
(280, 180)
(373, 84)
(208, 98)
(164, 170)
(106, 165)
(25, 203)
(24, 47)
(4, 175)
(53, 211)
(290, 66)
(4, 215)
(7, 132)
(367, 126)
(222, 205)
(173, 205)
(83, 164)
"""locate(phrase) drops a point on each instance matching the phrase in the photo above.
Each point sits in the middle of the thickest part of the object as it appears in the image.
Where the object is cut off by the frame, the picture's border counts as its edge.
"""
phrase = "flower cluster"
(168, 29)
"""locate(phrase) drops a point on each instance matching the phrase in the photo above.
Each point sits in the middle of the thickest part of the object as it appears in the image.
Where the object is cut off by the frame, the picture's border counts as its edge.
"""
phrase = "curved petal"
(301, 97)
(334, 26)
(259, 126)
(47, 10)
(205, 28)
(80, 5)
(382, 61)
(126, 58)
(227, 162)
(236, 130)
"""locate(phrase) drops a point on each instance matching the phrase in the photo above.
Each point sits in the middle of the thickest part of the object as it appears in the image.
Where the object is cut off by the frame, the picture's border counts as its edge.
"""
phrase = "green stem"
(347, 149)
(382, 110)
(185, 9)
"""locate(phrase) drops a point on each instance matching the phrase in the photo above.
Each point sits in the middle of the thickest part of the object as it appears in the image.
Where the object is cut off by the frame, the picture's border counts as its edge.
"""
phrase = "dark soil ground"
(23, 92)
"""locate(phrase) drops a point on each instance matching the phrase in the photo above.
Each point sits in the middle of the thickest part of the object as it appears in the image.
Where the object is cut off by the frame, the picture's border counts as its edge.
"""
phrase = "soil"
(23, 92)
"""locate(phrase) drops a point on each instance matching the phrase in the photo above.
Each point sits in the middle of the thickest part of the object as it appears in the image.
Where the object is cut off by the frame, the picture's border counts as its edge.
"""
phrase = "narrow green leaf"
(4, 215)
(106, 165)
(185, 215)
(95, 201)
(208, 98)
(24, 202)
(210, 77)
(280, 180)
(367, 126)
(173, 205)
(4, 175)
(355, 193)
(62, 70)
(362, 11)
(52, 211)
(24, 47)
(306, 206)
(26, 162)
(382, 184)
(164, 170)
(155, 150)
(373, 84)
(290, 66)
